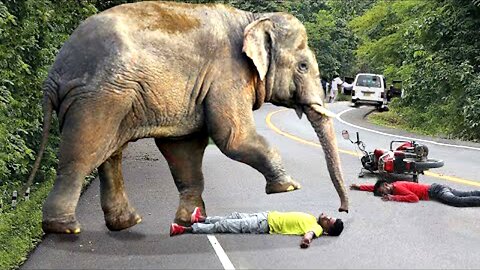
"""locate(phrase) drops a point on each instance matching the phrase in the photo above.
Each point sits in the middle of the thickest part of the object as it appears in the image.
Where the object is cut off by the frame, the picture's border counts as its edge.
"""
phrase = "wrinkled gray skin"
(178, 73)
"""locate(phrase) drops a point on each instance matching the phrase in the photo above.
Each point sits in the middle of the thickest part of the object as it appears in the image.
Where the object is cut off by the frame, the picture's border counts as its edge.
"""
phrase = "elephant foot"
(183, 216)
(67, 226)
(188, 202)
(281, 186)
(122, 220)
(182, 220)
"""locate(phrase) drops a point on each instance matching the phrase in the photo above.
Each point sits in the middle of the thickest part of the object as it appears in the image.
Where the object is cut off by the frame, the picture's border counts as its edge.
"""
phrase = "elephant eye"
(303, 67)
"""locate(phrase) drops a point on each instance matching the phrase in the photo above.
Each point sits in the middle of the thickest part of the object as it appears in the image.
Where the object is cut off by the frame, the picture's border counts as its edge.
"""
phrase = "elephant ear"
(257, 44)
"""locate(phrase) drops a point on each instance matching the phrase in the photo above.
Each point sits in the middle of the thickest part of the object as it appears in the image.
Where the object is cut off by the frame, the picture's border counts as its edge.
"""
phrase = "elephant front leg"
(255, 151)
(118, 213)
(238, 139)
(184, 158)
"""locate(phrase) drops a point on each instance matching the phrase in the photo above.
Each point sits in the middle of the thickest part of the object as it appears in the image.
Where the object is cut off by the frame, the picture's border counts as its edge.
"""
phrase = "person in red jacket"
(404, 191)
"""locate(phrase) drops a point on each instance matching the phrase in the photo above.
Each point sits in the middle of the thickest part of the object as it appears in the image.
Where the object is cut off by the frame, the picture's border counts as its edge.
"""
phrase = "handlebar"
(360, 144)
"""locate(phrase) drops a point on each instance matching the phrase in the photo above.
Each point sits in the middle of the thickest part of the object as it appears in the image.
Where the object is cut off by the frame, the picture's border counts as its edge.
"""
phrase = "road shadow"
(135, 243)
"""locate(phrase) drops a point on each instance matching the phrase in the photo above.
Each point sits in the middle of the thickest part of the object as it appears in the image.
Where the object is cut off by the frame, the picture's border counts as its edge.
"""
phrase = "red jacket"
(404, 191)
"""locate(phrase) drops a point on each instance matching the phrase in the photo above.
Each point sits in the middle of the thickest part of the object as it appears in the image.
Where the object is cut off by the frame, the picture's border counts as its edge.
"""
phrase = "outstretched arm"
(365, 187)
(307, 239)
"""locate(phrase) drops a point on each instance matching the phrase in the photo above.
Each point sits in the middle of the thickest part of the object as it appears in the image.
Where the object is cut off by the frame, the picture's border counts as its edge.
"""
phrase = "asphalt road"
(377, 234)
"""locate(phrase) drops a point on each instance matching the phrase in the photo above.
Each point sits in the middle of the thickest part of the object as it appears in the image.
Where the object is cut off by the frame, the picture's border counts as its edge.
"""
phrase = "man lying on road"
(293, 223)
(404, 191)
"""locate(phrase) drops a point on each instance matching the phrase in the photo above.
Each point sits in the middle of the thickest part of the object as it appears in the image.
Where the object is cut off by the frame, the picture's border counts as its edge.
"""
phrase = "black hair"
(378, 184)
(336, 228)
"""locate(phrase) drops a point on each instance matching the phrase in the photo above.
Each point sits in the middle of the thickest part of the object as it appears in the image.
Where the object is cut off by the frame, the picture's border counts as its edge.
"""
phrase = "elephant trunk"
(322, 123)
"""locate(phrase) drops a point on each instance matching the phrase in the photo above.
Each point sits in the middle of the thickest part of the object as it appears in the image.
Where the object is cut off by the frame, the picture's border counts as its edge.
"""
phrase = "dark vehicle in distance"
(395, 90)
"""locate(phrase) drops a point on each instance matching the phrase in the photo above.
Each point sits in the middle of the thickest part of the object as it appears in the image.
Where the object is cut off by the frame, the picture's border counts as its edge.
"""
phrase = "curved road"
(377, 234)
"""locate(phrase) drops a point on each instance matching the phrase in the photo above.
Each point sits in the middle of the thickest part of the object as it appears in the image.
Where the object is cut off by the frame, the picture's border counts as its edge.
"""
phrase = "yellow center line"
(315, 144)
(453, 178)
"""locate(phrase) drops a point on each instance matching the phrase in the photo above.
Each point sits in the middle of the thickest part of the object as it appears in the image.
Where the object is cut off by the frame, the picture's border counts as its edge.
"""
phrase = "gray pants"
(234, 223)
(453, 197)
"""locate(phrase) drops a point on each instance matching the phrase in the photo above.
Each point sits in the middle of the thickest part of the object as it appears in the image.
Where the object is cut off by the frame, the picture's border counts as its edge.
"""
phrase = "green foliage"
(256, 6)
(409, 119)
(434, 47)
(471, 109)
(20, 230)
(343, 97)
(306, 10)
(32, 32)
(381, 36)
(330, 35)
(349, 9)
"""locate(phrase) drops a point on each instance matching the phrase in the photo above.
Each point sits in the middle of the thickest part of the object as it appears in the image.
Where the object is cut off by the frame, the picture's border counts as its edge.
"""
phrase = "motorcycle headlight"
(421, 151)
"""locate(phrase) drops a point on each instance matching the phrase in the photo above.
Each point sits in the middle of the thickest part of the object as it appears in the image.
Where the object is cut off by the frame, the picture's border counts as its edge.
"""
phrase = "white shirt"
(346, 85)
(335, 82)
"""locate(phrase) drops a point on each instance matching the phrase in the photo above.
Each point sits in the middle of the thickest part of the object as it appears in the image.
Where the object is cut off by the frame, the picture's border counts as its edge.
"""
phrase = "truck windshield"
(368, 81)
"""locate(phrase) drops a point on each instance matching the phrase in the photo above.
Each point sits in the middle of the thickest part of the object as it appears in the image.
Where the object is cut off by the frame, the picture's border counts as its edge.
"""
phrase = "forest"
(432, 46)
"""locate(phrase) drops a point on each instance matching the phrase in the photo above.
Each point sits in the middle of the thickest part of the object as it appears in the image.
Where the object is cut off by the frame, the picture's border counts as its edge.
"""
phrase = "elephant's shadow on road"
(127, 243)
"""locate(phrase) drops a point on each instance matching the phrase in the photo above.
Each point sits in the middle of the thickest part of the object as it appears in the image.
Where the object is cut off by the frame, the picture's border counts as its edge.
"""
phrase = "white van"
(369, 89)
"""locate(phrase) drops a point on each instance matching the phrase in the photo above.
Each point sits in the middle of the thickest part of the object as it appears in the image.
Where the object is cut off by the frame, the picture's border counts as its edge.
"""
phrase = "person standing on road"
(334, 88)
(404, 191)
(324, 83)
(291, 223)
(327, 90)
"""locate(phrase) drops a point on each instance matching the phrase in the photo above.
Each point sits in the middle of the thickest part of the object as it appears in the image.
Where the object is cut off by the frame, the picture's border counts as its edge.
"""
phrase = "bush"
(433, 46)
(20, 229)
(31, 33)
(343, 97)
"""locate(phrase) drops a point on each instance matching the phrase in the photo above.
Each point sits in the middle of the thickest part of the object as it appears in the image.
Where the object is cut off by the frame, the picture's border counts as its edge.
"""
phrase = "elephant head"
(277, 45)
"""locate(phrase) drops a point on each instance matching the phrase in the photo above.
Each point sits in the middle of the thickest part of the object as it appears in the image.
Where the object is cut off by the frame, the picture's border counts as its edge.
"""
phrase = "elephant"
(181, 74)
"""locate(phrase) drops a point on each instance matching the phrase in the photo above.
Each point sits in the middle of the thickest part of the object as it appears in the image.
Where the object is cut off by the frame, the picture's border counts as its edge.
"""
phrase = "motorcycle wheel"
(428, 164)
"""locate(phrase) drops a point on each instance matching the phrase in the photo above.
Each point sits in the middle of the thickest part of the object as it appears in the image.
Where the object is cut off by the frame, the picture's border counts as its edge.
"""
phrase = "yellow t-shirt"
(296, 223)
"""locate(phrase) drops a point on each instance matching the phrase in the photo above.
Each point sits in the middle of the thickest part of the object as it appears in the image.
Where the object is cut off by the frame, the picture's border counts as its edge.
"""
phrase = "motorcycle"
(408, 160)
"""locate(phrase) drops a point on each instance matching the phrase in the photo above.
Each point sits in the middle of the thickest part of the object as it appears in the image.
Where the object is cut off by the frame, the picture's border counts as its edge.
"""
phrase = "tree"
(433, 46)
(31, 33)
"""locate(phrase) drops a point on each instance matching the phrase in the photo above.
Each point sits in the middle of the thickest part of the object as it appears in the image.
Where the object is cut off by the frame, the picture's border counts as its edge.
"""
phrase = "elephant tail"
(47, 117)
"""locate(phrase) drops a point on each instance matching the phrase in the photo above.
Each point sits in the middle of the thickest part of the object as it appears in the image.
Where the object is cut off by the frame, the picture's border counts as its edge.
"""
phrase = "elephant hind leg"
(88, 138)
(63, 221)
(184, 158)
(60, 205)
(118, 213)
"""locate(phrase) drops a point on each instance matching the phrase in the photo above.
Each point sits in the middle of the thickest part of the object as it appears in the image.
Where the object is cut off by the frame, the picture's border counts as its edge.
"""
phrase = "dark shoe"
(197, 213)
(176, 229)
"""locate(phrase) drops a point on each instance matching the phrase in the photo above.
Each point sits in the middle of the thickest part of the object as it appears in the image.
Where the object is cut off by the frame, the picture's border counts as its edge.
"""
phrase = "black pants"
(453, 197)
